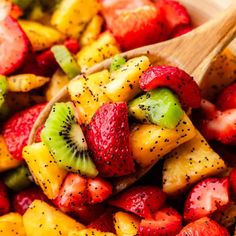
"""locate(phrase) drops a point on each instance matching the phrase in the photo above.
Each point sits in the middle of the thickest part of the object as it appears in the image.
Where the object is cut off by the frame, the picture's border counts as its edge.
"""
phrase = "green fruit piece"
(4, 111)
(66, 141)
(117, 62)
(3, 85)
(23, 4)
(159, 106)
(66, 61)
(18, 179)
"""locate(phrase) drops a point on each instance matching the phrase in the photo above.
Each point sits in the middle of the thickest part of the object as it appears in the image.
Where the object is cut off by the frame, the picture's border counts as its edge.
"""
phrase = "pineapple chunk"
(11, 224)
(92, 31)
(126, 224)
(44, 169)
(71, 16)
(189, 163)
(87, 94)
(125, 81)
(42, 219)
(104, 47)
(91, 232)
(41, 36)
(151, 142)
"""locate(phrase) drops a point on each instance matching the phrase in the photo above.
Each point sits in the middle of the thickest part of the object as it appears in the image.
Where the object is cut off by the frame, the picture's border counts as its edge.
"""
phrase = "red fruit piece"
(232, 181)
(166, 221)
(9, 9)
(4, 200)
(23, 199)
(204, 227)
(175, 79)
(181, 31)
(108, 139)
(206, 197)
(72, 45)
(14, 46)
(142, 200)
(38, 137)
(16, 130)
(227, 98)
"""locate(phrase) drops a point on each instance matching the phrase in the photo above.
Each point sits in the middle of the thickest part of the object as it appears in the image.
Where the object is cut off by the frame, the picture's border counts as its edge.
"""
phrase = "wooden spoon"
(192, 52)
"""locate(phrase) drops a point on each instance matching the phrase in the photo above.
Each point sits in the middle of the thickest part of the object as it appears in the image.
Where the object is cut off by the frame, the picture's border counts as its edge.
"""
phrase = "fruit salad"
(84, 172)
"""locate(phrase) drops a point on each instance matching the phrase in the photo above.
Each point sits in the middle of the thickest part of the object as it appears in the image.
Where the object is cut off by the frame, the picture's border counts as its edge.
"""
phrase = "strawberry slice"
(17, 128)
(232, 181)
(175, 79)
(206, 197)
(4, 200)
(14, 46)
(108, 140)
(227, 98)
(72, 45)
(166, 221)
(8, 8)
(204, 227)
(181, 31)
(142, 200)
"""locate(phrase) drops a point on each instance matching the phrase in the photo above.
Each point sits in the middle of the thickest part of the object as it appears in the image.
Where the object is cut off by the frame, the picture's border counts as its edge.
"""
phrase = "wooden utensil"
(192, 52)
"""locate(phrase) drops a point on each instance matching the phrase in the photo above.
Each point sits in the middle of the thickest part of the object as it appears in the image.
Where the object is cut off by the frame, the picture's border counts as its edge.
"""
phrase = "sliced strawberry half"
(175, 79)
(14, 46)
(206, 197)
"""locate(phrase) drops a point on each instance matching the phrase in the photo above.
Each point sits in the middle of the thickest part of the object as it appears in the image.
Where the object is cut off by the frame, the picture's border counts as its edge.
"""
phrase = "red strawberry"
(166, 222)
(175, 79)
(14, 46)
(204, 227)
(16, 130)
(134, 23)
(206, 197)
(141, 200)
(4, 200)
(23, 199)
(72, 45)
(227, 98)
(108, 140)
(232, 181)
(9, 9)
(181, 30)
(38, 137)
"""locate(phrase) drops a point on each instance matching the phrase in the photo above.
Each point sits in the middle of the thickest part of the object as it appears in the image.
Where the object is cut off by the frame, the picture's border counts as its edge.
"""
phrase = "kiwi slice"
(66, 142)
(117, 62)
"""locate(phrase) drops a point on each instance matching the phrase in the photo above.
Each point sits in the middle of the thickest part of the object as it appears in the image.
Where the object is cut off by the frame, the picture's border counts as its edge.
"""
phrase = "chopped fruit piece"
(166, 221)
(117, 62)
(124, 84)
(46, 220)
(175, 79)
(14, 46)
(181, 31)
(4, 200)
(126, 224)
(72, 45)
(23, 199)
(45, 171)
(149, 143)
(17, 128)
(62, 134)
(205, 198)
(3, 85)
(159, 106)
(108, 138)
(203, 227)
(142, 200)
(232, 181)
(91, 232)
(190, 163)
(8, 8)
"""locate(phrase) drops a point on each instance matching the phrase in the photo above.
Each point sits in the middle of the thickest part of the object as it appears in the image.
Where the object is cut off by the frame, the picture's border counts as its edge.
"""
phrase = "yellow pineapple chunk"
(71, 16)
(41, 36)
(42, 219)
(125, 81)
(45, 170)
(189, 163)
(126, 224)
(91, 232)
(11, 224)
(104, 47)
(151, 142)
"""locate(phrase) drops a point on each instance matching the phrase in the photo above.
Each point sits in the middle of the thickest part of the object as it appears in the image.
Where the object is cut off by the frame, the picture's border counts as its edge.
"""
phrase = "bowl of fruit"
(75, 170)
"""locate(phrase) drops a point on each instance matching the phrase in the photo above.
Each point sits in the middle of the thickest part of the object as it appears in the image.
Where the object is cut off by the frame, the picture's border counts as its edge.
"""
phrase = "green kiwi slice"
(66, 142)
(117, 62)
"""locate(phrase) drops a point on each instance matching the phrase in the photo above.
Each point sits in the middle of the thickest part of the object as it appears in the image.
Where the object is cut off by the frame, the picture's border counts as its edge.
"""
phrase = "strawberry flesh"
(232, 181)
(4, 200)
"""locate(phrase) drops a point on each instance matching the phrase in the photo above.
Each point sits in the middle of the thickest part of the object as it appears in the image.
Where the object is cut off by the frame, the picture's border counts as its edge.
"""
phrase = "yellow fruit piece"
(58, 81)
(41, 36)
(7, 161)
(45, 170)
(87, 94)
(189, 163)
(125, 81)
(92, 31)
(71, 16)
(104, 47)
(126, 224)
(25, 82)
(42, 219)
(91, 232)
(11, 224)
(151, 142)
